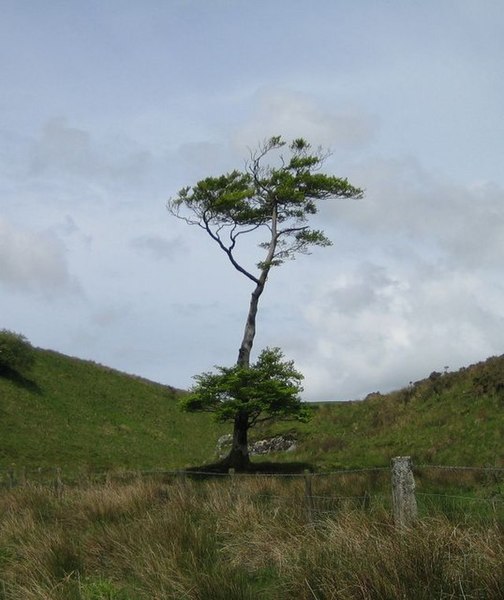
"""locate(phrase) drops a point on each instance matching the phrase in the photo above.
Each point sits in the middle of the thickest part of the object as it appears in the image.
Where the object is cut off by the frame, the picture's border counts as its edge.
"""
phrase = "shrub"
(490, 378)
(16, 352)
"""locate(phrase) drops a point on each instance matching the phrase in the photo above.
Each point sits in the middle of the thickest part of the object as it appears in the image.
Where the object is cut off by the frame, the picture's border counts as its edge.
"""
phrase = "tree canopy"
(268, 389)
(277, 199)
(273, 200)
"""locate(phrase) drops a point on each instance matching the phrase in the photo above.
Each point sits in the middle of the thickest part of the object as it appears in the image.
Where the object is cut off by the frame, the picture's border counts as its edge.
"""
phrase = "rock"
(224, 445)
(278, 443)
(275, 444)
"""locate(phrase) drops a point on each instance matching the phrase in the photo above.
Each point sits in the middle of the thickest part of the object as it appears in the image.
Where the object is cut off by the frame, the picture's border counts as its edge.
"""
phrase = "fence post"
(403, 492)
(58, 483)
(309, 495)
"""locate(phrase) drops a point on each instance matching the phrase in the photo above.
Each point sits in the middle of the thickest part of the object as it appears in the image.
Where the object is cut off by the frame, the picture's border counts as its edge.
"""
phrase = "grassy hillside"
(79, 415)
(453, 419)
(76, 414)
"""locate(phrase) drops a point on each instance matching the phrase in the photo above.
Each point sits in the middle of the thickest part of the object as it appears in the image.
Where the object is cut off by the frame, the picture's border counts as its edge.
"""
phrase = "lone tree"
(275, 199)
(266, 390)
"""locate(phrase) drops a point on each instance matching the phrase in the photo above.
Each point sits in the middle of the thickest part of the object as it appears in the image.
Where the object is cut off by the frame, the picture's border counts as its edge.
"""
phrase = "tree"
(266, 390)
(16, 352)
(272, 199)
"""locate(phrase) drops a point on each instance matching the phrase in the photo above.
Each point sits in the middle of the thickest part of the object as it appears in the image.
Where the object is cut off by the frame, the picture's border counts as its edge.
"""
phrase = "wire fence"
(461, 493)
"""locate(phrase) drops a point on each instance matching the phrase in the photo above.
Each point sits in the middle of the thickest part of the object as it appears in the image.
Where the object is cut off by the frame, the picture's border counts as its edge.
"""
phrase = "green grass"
(80, 416)
(451, 419)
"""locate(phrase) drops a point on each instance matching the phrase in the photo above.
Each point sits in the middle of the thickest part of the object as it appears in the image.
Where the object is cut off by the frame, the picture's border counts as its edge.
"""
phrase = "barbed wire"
(22, 471)
(352, 471)
(472, 498)
(460, 468)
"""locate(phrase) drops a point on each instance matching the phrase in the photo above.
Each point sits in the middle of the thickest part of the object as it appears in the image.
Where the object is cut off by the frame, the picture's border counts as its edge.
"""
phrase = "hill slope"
(76, 414)
(453, 419)
(79, 415)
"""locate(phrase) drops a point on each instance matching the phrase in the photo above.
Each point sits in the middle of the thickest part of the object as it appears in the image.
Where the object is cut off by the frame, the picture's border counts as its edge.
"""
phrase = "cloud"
(157, 246)
(71, 151)
(379, 325)
(32, 261)
(406, 205)
(295, 114)
(353, 293)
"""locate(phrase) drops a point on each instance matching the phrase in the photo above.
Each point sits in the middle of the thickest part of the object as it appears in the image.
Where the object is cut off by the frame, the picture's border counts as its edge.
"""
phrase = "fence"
(407, 491)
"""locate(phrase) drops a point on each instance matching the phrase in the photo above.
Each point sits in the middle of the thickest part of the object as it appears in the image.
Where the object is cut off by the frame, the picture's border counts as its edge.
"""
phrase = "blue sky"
(107, 109)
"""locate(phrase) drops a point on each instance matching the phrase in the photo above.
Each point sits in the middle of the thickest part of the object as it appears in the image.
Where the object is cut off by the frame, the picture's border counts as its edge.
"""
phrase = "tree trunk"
(250, 327)
(238, 457)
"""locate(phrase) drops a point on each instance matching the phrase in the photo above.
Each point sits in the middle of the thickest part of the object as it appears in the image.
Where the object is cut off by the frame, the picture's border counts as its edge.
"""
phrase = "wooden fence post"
(309, 495)
(403, 492)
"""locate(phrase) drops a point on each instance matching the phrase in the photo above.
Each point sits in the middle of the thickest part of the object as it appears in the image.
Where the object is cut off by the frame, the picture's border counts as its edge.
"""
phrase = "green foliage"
(275, 199)
(268, 389)
(489, 378)
(16, 352)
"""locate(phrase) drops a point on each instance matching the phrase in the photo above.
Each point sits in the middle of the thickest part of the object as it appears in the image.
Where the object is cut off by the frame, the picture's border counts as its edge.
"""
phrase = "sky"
(107, 109)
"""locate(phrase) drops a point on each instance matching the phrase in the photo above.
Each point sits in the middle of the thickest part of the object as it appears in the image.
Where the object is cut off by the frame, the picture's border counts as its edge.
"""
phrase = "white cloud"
(62, 149)
(382, 325)
(32, 261)
(157, 246)
(408, 205)
(295, 114)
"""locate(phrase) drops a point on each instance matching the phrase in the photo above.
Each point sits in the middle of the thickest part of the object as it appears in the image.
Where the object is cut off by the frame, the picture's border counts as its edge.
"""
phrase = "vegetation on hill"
(16, 353)
(78, 415)
(454, 418)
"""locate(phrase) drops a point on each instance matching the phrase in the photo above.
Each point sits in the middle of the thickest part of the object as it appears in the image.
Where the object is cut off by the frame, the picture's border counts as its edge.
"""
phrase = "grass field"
(233, 539)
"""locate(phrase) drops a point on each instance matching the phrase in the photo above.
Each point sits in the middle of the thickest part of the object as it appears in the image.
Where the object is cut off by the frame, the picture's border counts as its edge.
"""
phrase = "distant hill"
(78, 415)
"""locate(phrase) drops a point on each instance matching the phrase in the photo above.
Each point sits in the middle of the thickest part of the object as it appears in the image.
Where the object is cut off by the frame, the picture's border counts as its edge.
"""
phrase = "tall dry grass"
(240, 539)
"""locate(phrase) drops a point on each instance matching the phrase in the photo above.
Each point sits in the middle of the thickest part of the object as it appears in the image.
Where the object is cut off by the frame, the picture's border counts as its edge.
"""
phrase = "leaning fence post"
(403, 491)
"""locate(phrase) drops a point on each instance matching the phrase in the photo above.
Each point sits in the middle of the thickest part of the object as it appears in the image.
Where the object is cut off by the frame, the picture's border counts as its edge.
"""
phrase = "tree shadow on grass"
(20, 380)
(259, 468)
